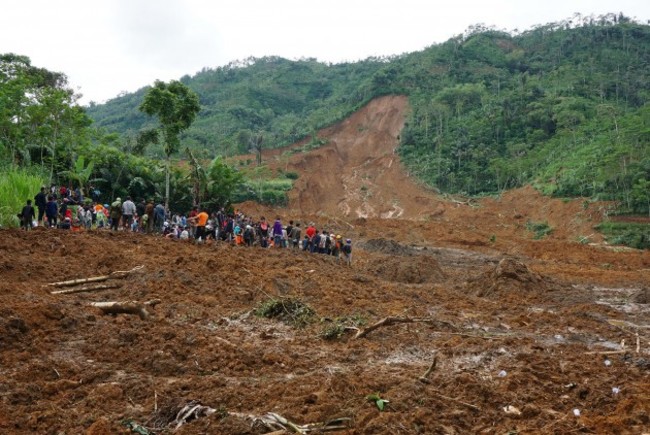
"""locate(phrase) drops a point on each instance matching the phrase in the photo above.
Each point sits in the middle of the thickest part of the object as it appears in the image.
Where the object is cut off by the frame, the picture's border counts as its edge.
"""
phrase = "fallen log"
(393, 320)
(87, 288)
(117, 274)
(124, 307)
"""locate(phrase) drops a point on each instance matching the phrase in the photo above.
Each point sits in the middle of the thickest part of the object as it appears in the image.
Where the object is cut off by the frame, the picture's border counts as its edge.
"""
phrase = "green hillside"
(287, 100)
(563, 106)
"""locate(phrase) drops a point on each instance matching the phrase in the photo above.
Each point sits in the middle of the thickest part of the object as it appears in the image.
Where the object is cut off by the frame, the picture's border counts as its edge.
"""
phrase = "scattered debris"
(87, 288)
(393, 320)
(616, 390)
(117, 274)
(191, 411)
(502, 374)
(135, 427)
(276, 422)
(511, 410)
(126, 307)
(576, 412)
(425, 377)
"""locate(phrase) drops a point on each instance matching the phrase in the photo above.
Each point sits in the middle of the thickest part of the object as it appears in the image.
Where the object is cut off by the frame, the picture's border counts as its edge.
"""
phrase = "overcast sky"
(109, 46)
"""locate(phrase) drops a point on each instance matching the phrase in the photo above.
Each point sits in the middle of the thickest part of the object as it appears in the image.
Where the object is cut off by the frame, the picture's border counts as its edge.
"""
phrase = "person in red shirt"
(310, 232)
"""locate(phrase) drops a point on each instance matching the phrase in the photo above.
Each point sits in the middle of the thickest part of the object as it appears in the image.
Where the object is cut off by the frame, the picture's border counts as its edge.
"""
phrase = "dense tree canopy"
(562, 105)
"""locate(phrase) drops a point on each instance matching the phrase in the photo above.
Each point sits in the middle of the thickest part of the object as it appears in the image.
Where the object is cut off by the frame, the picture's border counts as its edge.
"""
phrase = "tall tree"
(175, 105)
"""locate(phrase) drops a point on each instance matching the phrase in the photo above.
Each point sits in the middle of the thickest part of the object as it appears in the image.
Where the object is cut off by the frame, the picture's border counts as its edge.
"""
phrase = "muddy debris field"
(443, 336)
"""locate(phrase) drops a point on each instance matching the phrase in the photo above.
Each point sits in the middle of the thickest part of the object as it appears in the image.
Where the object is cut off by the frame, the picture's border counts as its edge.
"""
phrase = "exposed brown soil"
(513, 321)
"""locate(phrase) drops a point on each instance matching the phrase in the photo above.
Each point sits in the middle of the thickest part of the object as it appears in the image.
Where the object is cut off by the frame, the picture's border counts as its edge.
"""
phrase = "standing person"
(347, 252)
(40, 201)
(200, 220)
(51, 211)
(148, 210)
(294, 236)
(27, 216)
(115, 213)
(191, 221)
(264, 232)
(159, 216)
(310, 232)
(140, 207)
(277, 232)
(128, 211)
(289, 228)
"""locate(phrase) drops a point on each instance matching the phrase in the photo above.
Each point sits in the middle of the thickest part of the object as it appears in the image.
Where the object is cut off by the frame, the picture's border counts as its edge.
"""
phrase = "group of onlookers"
(70, 210)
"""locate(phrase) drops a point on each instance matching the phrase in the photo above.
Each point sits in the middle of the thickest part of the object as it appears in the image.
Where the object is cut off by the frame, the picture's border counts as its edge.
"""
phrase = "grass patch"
(291, 311)
(334, 329)
(539, 229)
(271, 191)
(632, 234)
(17, 185)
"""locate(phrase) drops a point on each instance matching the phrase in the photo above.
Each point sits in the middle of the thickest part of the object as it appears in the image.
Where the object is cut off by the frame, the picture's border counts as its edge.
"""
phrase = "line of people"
(71, 212)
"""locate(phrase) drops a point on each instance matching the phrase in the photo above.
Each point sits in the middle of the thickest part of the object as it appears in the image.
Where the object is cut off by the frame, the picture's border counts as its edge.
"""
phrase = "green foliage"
(80, 173)
(223, 183)
(270, 191)
(561, 106)
(334, 329)
(632, 234)
(539, 229)
(289, 310)
(376, 398)
(17, 185)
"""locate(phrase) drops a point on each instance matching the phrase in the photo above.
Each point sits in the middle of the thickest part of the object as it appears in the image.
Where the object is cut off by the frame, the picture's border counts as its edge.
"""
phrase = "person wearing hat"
(347, 252)
(115, 213)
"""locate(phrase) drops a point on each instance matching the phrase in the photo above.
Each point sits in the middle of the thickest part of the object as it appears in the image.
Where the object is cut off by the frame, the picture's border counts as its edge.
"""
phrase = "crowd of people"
(68, 209)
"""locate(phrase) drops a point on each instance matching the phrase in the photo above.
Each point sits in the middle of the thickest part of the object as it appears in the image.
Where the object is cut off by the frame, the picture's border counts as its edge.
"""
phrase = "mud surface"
(523, 331)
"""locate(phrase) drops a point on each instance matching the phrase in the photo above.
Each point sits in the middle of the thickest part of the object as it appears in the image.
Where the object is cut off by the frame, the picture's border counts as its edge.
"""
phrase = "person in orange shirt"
(201, 220)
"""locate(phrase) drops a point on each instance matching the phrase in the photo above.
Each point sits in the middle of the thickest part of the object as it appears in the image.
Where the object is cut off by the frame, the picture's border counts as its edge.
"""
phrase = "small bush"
(291, 175)
(632, 234)
(289, 310)
(539, 229)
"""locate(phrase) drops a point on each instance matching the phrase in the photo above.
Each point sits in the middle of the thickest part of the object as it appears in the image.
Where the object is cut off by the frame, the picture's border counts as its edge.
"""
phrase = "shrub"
(290, 310)
(632, 234)
(539, 229)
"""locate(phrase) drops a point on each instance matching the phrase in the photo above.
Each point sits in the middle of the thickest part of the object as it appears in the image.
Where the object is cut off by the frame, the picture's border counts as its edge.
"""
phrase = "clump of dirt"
(642, 296)
(387, 246)
(508, 276)
(411, 269)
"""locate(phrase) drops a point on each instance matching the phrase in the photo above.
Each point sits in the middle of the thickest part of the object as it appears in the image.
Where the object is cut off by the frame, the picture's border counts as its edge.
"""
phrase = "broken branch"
(125, 307)
(393, 320)
(116, 274)
(87, 288)
(469, 405)
(425, 376)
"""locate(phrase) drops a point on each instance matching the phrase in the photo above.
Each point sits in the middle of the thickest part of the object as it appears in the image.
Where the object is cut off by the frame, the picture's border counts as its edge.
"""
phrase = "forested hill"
(563, 106)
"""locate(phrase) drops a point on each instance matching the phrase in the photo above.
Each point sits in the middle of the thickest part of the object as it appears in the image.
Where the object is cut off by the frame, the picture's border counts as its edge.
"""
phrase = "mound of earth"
(411, 269)
(509, 276)
(387, 246)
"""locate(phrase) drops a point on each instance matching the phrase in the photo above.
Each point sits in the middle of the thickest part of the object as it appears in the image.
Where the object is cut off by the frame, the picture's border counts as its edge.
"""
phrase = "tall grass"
(17, 185)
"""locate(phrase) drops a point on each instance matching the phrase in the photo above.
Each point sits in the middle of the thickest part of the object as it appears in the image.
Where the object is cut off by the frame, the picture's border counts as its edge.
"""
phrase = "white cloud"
(110, 46)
